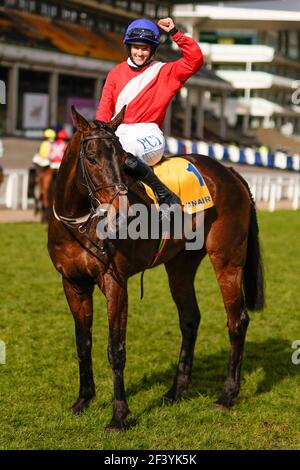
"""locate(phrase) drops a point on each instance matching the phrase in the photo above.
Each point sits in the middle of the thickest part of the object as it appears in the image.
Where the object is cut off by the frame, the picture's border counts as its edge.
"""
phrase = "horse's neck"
(70, 200)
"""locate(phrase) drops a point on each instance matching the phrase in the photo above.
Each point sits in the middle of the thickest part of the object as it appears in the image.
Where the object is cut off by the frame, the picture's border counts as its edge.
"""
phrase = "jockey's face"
(140, 53)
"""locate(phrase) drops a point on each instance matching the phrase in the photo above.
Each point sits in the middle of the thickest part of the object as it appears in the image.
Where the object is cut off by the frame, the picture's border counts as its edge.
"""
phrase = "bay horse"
(44, 191)
(1, 175)
(92, 174)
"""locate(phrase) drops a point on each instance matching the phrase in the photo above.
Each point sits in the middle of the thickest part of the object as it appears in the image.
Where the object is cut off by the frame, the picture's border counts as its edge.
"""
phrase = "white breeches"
(144, 140)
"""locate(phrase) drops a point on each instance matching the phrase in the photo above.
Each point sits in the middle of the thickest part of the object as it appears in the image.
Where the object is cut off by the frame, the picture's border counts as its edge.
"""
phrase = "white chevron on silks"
(137, 84)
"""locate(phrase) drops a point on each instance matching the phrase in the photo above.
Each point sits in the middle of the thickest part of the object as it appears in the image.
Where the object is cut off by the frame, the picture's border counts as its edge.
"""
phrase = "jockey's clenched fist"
(167, 24)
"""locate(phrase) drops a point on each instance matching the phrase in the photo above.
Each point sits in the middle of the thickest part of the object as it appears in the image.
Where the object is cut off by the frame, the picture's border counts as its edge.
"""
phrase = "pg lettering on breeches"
(150, 143)
(150, 148)
(144, 140)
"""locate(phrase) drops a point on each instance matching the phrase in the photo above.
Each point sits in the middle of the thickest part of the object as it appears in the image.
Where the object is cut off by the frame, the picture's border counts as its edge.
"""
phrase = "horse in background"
(47, 173)
(1, 175)
(91, 175)
(43, 186)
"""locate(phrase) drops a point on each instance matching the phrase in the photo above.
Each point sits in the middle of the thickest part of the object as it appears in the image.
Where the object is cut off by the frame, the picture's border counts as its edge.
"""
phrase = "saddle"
(185, 180)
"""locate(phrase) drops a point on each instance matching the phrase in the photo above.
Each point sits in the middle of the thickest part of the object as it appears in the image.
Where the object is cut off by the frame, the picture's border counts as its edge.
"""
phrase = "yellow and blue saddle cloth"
(185, 180)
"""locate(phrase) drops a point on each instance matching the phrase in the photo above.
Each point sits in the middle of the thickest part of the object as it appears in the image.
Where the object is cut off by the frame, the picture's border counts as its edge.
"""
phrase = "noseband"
(121, 188)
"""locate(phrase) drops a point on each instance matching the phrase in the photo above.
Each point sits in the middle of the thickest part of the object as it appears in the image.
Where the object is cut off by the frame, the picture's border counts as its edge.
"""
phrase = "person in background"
(56, 154)
(58, 148)
(41, 158)
(146, 87)
(41, 162)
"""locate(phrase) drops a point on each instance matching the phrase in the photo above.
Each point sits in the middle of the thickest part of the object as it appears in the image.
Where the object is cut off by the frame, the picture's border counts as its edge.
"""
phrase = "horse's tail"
(254, 287)
(253, 269)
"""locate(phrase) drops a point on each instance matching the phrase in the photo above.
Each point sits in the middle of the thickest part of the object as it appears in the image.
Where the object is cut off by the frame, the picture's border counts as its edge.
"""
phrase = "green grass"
(40, 379)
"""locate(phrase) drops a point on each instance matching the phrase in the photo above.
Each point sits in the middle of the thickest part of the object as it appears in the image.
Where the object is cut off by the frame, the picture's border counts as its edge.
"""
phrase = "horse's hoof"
(80, 406)
(115, 426)
(172, 397)
(167, 400)
(219, 407)
(224, 403)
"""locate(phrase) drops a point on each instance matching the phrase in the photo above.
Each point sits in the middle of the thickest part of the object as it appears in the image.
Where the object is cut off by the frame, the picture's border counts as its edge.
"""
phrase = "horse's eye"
(91, 159)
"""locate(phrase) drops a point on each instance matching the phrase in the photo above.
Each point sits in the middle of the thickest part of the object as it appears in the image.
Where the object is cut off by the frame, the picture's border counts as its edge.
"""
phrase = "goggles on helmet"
(142, 33)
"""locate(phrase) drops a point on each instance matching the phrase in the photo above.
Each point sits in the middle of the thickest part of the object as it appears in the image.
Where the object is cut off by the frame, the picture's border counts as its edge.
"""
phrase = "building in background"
(258, 52)
(57, 53)
(54, 54)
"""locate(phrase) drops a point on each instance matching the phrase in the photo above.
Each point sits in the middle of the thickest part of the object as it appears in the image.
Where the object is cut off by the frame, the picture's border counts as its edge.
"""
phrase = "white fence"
(14, 190)
(265, 187)
(274, 189)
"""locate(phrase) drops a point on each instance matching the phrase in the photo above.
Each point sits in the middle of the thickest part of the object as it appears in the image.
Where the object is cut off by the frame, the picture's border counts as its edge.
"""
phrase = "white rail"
(14, 189)
(273, 189)
(267, 188)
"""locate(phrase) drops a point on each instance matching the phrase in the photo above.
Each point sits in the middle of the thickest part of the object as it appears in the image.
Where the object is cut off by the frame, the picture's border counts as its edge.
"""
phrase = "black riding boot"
(139, 170)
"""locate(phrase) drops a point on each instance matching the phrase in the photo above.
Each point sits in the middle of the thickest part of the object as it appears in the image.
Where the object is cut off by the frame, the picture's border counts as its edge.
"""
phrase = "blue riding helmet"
(142, 31)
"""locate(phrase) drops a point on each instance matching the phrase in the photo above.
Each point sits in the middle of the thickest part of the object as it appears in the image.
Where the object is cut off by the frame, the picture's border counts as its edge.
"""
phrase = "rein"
(83, 222)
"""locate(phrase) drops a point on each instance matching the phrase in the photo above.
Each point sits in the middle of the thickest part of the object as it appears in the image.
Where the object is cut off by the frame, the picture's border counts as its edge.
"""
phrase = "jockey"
(42, 157)
(146, 87)
(58, 149)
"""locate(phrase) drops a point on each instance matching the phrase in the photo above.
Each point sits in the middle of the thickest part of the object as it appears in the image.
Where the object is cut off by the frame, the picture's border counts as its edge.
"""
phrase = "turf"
(39, 381)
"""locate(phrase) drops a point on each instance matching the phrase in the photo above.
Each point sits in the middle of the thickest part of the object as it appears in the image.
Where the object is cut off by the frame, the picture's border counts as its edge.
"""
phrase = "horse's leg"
(39, 181)
(117, 307)
(46, 185)
(230, 278)
(80, 299)
(37, 190)
(181, 272)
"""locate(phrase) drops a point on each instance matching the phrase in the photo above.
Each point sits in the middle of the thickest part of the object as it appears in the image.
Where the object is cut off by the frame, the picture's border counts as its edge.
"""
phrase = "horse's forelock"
(100, 125)
(98, 128)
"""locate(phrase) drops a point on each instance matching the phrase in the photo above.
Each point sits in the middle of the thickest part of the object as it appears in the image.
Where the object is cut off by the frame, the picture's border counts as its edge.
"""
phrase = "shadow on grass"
(273, 356)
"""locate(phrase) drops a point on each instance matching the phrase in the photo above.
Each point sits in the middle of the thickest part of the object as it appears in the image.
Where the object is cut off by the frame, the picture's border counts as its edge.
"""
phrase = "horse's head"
(101, 156)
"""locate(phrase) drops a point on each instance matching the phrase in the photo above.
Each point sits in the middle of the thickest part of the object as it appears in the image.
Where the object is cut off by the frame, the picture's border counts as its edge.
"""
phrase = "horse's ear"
(79, 121)
(117, 120)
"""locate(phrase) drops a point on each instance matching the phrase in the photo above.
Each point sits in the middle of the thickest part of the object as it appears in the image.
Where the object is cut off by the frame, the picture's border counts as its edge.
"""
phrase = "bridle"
(121, 188)
(92, 188)
(82, 223)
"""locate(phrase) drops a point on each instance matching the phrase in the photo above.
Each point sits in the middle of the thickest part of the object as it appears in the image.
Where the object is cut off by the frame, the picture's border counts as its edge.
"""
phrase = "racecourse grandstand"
(24, 29)
(63, 50)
